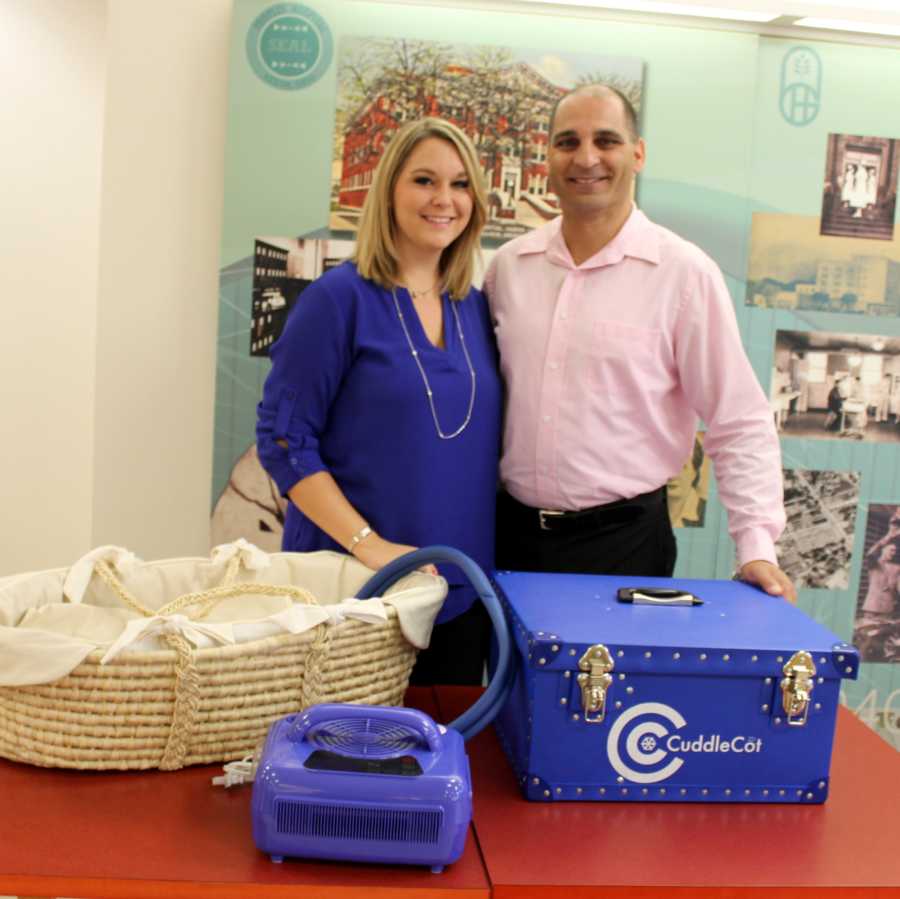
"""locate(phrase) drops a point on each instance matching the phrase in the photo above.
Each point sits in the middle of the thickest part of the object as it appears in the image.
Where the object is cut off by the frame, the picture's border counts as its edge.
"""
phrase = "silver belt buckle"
(544, 514)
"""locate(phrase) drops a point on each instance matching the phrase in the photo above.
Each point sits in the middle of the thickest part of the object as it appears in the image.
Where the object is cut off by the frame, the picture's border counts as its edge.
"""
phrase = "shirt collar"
(636, 238)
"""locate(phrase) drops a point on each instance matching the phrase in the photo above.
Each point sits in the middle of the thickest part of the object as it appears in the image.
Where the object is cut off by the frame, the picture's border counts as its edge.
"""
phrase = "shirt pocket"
(627, 365)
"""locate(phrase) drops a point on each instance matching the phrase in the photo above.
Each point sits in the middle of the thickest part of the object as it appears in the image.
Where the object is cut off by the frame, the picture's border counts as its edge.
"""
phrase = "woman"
(380, 419)
(848, 185)
(882, 568)
(875, 620)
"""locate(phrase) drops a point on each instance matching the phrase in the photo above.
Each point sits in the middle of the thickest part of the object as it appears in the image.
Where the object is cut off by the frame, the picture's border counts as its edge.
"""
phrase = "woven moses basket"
(120, 664)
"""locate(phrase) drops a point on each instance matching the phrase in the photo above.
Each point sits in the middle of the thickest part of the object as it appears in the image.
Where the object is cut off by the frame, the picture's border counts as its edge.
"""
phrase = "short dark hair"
(597, 90)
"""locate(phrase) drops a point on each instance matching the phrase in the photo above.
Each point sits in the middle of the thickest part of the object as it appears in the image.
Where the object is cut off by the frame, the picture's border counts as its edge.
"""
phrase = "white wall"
(52, 68)
(112, 120)
(163, 171)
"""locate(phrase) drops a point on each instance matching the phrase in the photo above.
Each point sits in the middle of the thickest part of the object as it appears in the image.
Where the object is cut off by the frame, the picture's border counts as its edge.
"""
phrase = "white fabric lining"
(44, 635)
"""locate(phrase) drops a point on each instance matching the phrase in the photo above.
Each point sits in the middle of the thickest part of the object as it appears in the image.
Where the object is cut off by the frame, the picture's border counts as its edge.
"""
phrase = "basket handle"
(415, 720)
(491, 701)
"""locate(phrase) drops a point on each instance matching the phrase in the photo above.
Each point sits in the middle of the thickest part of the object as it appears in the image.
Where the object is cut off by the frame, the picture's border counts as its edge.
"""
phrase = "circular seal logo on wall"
(289, 46)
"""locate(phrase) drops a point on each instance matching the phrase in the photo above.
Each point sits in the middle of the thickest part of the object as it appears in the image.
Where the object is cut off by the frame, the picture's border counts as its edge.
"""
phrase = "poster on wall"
(829, 385)
(500, 97)
(876, 630)
(282, 268)
(859, 198)
(793, 267)
(816, 547)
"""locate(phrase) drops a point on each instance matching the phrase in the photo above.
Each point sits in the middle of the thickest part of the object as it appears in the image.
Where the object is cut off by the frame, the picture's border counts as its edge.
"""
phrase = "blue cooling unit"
(362, 783)
(373, 784)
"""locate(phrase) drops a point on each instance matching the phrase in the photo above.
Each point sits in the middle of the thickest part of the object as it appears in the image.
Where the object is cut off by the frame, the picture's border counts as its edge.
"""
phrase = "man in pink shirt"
(614, 335)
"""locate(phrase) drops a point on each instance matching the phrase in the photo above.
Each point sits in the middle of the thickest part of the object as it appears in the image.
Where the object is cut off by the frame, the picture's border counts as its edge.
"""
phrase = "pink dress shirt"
(607, 366)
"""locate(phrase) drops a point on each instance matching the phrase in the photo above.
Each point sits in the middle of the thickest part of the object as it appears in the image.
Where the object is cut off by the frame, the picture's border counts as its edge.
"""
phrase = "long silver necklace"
(428, 391)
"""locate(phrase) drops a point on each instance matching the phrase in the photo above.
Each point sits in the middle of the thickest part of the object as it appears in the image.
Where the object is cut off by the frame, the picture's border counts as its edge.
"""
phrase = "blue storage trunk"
(733, 700)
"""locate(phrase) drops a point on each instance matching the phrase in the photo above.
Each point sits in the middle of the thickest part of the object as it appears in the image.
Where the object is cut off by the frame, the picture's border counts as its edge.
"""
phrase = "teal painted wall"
(719, 149)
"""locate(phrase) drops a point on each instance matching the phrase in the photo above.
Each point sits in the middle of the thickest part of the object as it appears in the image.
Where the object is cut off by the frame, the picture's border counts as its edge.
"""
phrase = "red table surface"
(848, 847)
(135, 835)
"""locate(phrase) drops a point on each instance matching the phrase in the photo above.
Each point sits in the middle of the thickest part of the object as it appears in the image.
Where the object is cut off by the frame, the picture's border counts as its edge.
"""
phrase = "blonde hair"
(376, 253)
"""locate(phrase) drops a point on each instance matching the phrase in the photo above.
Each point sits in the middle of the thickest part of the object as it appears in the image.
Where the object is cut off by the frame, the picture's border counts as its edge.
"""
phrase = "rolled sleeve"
(290, 464)
(308, 364)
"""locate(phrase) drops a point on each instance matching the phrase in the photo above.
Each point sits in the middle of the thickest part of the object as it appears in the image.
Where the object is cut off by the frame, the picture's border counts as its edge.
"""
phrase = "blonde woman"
(380, 419)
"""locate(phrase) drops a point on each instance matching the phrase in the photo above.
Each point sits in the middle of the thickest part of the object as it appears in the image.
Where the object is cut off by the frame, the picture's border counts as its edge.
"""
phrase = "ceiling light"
(675, 9)
(889, 6)
(856, 25)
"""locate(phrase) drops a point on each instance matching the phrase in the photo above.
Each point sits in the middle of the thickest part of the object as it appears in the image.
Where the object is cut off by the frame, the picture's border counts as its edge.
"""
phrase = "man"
(614, 334)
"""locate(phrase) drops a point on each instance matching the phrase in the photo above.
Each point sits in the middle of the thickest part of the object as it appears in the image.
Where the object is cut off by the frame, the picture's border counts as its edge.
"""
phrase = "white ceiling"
(869, 21)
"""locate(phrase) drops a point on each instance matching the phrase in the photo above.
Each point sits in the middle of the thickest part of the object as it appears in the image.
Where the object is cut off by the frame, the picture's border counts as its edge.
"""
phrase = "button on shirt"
(607, 365)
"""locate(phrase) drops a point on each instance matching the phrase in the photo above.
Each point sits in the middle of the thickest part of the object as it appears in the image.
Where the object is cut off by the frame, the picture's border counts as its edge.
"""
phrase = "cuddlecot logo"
(650, 742)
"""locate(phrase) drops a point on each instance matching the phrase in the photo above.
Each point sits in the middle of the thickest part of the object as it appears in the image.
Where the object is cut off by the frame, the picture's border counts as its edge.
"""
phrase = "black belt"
(622, 510)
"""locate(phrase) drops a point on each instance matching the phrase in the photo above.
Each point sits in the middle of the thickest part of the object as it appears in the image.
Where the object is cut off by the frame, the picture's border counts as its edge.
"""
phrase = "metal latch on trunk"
(797, 687)
(596, 664)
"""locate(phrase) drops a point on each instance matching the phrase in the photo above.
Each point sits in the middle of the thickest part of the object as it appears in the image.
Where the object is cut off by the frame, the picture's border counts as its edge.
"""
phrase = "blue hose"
(489, 704)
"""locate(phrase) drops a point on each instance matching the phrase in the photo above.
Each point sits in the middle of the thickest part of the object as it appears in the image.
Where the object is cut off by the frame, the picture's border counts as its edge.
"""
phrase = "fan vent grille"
(352, 822)
(365, 737)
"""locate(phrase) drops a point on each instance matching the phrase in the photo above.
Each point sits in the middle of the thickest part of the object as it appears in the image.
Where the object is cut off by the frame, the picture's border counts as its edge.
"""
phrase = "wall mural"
(792, 192)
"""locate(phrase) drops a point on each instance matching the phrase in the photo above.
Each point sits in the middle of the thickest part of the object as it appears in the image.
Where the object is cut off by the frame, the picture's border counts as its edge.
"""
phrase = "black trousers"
(630, 536)
(458, 650)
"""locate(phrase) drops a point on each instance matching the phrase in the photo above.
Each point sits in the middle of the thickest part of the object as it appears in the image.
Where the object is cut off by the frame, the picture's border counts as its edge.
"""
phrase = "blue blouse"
(346, 396)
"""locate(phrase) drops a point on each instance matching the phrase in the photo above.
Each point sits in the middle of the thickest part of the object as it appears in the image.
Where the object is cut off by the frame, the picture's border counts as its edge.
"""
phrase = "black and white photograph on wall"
(500, 97)
(829, 386)
(876, 631)
(860, 194)
(282, 268)
(816, 547)
(688, 491)
(793, 267)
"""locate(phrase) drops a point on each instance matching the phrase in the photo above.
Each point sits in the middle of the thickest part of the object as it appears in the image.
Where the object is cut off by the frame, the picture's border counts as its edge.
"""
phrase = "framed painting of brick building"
(502, 98)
